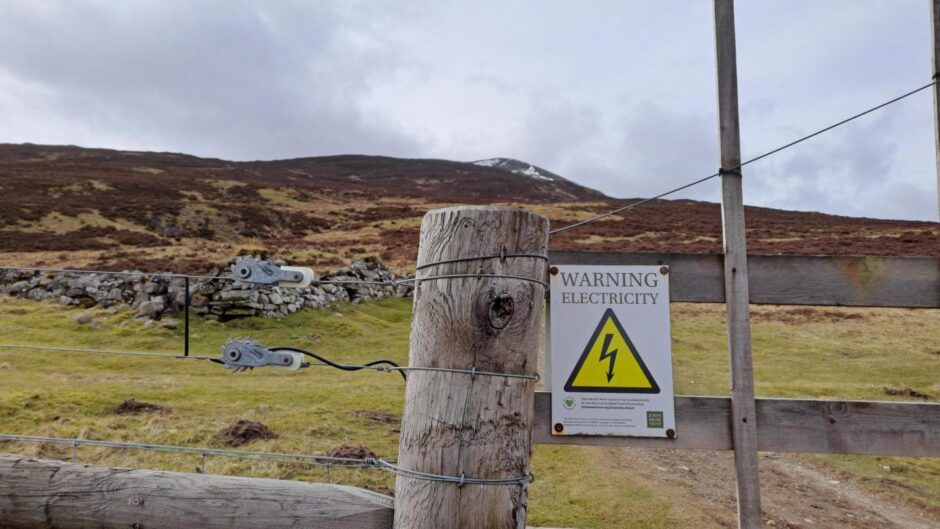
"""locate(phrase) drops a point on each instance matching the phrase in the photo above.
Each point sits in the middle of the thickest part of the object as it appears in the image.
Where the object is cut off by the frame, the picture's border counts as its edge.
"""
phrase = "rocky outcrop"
(214, 297)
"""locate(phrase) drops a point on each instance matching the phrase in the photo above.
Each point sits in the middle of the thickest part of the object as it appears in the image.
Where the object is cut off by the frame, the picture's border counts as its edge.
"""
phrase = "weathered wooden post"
(477, 304)
(737, 297)
(935, 63)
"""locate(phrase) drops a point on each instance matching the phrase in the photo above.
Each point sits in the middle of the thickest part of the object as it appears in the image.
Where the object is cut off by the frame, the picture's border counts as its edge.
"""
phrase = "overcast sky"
(618, 95)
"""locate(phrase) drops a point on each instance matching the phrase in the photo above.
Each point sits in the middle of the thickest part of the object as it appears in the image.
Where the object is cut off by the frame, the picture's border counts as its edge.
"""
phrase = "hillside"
(118, 209)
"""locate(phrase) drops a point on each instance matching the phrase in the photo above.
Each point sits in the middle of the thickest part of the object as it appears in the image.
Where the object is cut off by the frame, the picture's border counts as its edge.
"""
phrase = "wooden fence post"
(737, 297)
(935, 48)
(454, 423)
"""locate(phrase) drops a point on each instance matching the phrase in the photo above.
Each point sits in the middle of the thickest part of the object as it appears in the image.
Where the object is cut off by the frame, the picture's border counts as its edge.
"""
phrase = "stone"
(152, 297)
(152, 308)
(18, 287)
(234, 295)
(82, 318)
(170, 323)
(198, 300)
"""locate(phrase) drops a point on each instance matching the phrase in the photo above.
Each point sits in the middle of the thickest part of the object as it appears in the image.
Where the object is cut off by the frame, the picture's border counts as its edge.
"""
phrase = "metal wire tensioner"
(243, 354)
(258, 272)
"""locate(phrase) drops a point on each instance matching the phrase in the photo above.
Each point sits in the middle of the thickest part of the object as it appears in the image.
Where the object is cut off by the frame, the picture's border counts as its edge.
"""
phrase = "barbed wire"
(738, 167)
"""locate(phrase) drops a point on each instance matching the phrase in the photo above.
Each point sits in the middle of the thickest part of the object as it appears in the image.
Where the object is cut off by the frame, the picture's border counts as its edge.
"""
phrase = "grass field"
(799, 352)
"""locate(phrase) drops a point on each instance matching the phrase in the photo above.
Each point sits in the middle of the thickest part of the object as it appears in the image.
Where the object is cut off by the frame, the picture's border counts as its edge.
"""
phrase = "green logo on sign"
(654, 419)
(569, 403)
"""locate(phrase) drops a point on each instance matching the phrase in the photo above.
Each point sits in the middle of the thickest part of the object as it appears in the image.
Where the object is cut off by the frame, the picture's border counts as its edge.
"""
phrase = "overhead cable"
(738, 167)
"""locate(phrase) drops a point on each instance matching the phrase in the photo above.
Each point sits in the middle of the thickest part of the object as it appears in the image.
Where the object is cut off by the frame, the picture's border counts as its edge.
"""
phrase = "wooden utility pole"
(456, 424)
(935, 33)
(744, 423)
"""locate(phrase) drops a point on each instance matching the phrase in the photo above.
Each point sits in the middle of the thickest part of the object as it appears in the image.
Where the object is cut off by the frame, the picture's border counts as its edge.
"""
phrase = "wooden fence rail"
(912, 282)
(40, 493)
(783, 425)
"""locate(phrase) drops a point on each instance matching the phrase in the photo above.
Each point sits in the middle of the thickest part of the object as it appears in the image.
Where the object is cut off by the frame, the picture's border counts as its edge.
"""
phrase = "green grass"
(849, 353)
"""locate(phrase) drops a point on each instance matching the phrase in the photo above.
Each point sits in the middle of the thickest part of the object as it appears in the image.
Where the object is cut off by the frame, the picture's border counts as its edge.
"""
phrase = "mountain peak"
(521, 168)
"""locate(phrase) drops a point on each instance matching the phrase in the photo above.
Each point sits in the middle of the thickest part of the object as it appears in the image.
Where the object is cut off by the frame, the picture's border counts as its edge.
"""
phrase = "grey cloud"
(238, 80)
(618, 96)
(850, 173)
(655, 149)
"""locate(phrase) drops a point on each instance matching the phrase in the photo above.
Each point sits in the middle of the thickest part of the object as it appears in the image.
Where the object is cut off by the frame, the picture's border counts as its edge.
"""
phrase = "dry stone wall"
(155, 297)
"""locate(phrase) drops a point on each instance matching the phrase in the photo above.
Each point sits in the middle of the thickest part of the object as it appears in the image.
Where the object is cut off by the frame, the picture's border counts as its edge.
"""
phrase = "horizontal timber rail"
(783, 425)
(857, 281)
(42, 493)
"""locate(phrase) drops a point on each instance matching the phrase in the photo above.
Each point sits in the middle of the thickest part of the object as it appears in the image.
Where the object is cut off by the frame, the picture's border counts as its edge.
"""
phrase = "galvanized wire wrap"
(460, 480)
(502, 256)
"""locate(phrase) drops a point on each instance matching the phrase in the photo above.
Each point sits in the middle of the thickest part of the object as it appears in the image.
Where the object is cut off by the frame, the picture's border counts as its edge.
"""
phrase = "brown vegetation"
(352, 452)
(70, 206)
(133, 407)
(243, 432)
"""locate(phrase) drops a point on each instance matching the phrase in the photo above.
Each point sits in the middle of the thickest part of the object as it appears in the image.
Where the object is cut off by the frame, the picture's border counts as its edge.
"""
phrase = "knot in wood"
(501, 310)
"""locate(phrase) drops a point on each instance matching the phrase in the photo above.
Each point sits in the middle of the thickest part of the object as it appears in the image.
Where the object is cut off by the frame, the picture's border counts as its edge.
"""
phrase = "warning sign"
(598, 369)
(610, 351)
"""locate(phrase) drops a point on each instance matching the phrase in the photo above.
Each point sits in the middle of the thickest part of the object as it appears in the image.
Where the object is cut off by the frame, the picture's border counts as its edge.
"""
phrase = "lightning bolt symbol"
(605, 354)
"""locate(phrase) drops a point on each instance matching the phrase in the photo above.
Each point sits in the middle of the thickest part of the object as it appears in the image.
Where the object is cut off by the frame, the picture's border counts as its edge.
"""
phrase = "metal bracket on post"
(257, 272)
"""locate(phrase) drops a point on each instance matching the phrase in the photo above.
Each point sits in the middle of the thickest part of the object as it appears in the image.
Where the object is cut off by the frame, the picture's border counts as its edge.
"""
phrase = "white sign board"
(611, 351)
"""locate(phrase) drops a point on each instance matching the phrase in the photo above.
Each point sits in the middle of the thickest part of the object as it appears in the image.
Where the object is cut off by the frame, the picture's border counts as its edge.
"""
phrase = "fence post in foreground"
(460, 424)
(737, 297)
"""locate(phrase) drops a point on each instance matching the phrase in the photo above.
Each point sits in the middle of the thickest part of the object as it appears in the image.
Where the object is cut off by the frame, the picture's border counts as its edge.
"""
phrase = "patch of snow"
(507, 164)
(533, 173)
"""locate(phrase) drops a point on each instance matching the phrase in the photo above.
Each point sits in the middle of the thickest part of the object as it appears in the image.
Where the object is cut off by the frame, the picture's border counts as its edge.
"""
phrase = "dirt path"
(797, 493)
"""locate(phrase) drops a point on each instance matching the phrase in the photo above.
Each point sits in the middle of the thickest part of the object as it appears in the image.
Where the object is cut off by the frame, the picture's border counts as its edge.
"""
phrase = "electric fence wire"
(473, 372)
(738, 167)
(169, 275)
(381, 365)
(108, 352)
(386, 283)
(273, 457)
(460, 480)
(386, 366)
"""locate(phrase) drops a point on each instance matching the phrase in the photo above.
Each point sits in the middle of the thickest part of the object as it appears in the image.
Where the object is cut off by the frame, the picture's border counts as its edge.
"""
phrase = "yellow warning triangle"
(610, 363)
